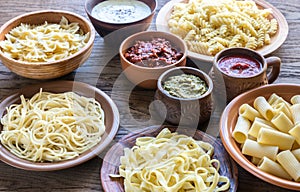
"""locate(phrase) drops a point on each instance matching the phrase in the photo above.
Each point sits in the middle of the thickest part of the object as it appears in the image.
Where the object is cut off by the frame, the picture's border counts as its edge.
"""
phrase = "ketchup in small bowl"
(239, 65)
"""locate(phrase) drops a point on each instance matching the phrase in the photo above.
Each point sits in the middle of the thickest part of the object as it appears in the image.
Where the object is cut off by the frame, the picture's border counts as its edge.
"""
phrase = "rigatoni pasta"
(273, 168)
(275, 136)
(289, 162)
(240, 132)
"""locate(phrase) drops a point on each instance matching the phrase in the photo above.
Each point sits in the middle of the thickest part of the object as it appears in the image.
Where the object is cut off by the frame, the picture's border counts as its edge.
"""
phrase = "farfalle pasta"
(209, 26)
(44, 43)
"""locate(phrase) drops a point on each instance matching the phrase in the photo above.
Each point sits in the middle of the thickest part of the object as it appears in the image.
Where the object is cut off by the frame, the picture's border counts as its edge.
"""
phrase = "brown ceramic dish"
(104, 28)
(186, 111)
(48, 70)
(111, 123)
(111, 160)
(228, 121)
(276, 41)
(146, 77)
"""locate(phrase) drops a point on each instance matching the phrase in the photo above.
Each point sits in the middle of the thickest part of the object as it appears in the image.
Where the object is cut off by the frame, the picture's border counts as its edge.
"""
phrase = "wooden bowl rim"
(90, 42)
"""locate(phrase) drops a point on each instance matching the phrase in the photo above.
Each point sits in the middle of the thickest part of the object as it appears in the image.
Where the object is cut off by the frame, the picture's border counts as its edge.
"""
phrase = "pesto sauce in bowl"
(185, 86)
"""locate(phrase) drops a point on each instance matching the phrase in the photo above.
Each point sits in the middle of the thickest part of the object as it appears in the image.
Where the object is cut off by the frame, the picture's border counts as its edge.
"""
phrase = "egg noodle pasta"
(209, 26)
(171, 162)
(52, 126)
(44, 43)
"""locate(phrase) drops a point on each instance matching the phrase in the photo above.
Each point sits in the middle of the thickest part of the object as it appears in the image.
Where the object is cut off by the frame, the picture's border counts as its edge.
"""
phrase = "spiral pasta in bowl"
(56, 125)
(46, 44)
(260, 130)
(209, 26)
(168, 158)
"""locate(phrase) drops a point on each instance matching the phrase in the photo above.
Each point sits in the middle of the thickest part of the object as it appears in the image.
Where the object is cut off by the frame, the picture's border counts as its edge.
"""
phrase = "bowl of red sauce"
(236, 70)
(146, 55)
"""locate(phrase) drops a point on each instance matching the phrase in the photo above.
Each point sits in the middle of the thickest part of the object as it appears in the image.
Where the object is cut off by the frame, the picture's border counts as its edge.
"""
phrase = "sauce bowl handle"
(274, 63)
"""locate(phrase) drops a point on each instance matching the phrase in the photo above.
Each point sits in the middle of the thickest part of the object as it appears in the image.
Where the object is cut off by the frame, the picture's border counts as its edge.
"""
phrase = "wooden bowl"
(104, 28)
(228, 121)
(184, 111)
(48, 70)
(146, 77)
(111, 123)
(276, 41)
(111, 160)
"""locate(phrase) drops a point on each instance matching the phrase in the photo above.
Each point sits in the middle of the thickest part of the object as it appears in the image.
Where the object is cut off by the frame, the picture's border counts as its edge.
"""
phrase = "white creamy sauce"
(121, 11)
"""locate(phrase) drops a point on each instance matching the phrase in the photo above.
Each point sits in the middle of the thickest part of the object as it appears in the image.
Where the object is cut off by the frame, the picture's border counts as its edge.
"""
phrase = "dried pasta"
(44, 43)
(171, 162)
(274, 146)
(52, 127)
(213, 25)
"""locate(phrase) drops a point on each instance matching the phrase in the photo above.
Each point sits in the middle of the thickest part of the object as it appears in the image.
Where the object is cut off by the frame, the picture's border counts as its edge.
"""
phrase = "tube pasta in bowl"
(168, 162)
(273, 136)
(51, 127)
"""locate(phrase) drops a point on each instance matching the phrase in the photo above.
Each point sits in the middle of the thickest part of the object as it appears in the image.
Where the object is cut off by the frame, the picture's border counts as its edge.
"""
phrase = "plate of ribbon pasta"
(260, 130)
(168, 158)
(55, 125)
(209, 26)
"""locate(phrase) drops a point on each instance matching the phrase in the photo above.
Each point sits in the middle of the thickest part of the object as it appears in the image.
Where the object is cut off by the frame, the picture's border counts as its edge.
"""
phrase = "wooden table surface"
(103, 70)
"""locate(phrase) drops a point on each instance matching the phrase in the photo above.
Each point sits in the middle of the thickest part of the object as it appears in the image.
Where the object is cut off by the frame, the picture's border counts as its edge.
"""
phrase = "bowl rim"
(230, 145)
(135, 38)
(90, 42)
(183, 69)
(89, 13)
(7, 157)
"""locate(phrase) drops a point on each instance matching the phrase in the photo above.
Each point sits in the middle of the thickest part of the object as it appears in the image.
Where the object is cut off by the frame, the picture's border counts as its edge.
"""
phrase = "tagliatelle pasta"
(209, 26)
(52, 127)
(45, 42)
(171, 162)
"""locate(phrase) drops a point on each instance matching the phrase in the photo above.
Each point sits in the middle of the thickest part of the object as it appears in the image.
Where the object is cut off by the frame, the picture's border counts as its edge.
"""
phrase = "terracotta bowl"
(48, 70)
(111, 123)
(104, 28)
(146, 77)
(188, 112)
(228, 121)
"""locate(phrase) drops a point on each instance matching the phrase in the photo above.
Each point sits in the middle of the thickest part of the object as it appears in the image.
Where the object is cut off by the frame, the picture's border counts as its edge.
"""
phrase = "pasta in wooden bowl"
(209, 26)
(260, 130)
(46, 44)
(55, 125)
(175, 155)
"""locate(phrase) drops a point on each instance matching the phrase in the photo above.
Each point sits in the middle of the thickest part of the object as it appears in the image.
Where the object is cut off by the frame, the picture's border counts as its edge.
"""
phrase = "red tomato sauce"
(239, 65)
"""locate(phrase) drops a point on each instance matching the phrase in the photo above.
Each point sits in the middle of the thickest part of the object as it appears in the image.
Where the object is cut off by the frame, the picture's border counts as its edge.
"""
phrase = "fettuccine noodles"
(52, 127)
(171, 162)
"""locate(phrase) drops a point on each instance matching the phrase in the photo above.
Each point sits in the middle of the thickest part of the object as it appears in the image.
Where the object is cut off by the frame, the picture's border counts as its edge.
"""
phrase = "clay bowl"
(53, 69)
(146, 77)
(184, 111)
(111, 160)
(105, 28)
(229, 119)
(111, 122)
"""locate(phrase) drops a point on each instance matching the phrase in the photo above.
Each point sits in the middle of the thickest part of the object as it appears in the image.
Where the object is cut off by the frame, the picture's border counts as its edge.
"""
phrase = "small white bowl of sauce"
(129, 15)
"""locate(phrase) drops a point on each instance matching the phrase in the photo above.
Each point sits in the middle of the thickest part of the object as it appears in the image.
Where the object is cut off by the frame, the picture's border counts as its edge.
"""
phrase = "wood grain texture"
(135, 104)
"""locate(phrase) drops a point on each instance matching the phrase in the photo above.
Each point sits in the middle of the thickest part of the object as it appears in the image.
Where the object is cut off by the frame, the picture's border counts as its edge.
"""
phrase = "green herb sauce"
(185, 86)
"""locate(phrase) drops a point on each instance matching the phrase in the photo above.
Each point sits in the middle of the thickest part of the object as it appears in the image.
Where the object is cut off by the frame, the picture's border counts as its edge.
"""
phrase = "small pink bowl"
(228, 121)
